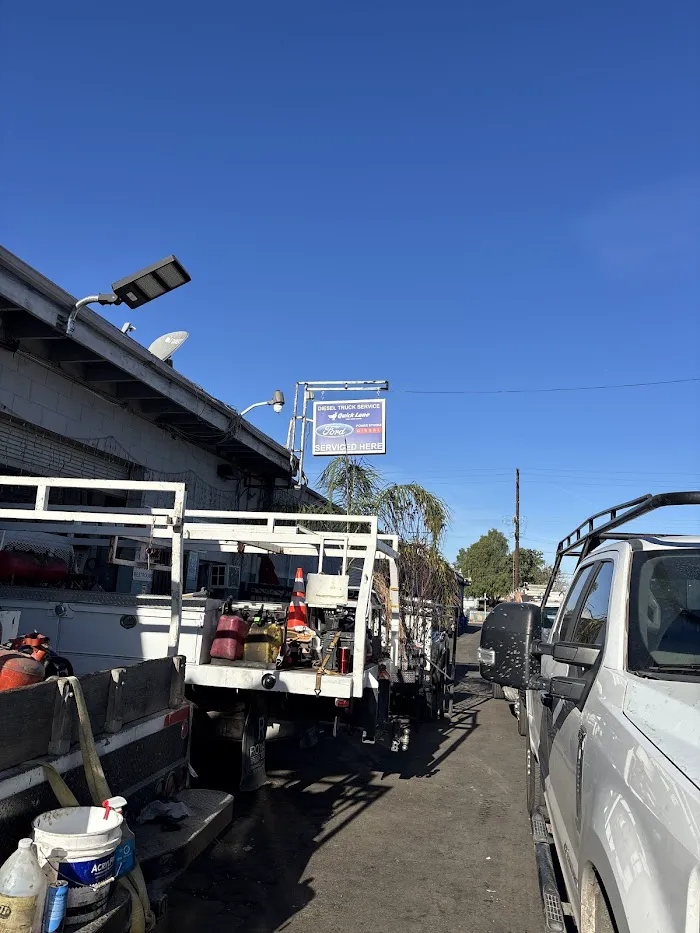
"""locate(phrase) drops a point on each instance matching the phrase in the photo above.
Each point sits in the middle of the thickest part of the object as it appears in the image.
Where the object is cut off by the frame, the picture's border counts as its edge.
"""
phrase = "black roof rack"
(588, 535)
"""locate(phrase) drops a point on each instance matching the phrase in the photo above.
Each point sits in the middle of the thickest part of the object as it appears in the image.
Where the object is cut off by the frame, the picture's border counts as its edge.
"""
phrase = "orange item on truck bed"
(297, 614)
(18, 670)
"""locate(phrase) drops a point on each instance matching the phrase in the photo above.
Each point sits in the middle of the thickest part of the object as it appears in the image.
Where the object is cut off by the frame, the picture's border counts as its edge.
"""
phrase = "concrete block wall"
(48, 399)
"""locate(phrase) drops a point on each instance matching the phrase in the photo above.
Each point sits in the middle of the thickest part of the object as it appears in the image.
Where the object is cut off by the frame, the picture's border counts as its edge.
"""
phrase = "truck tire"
(533, 780)
(498, 693)
(522, 714)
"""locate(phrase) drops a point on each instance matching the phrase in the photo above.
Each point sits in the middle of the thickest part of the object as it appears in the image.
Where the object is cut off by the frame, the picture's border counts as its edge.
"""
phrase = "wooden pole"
(516, 552)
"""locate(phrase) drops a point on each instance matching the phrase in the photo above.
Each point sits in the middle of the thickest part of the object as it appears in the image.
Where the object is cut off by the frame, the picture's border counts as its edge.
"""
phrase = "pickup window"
(664, 620)
(590, 625)
(573, 603)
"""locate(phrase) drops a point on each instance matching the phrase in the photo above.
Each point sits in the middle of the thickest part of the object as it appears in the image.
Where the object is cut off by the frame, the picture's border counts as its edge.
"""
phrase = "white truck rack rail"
(176, 529)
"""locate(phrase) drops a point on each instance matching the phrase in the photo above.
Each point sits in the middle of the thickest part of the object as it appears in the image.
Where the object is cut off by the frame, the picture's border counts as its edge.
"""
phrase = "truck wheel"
(498, 693)
(522, 714)
(533, 778)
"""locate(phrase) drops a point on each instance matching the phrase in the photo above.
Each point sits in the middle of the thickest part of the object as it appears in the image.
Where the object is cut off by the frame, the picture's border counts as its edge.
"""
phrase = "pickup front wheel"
(535, 795)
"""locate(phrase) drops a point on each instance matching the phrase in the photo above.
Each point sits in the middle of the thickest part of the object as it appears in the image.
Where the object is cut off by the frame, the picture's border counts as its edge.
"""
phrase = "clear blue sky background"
(450, 195)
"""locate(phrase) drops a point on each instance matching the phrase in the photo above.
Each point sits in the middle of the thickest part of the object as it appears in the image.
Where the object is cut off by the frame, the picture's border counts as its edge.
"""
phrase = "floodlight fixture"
(137, 289)
(277, 402)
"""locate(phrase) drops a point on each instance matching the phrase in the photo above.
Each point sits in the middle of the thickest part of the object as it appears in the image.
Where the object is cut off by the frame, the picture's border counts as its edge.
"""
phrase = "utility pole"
(516, 522)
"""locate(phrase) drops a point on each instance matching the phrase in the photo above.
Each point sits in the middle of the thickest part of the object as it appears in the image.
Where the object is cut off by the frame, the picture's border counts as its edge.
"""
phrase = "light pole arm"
(108, 299)
(251, 407)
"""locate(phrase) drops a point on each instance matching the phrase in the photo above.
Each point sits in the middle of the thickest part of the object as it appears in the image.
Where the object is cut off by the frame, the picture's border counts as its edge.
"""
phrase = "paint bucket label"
(17, 913)
(88, 872)
(125, 858)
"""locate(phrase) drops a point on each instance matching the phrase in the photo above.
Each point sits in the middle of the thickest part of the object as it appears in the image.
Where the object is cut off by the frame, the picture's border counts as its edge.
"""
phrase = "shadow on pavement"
(433, 742)
(253, 878)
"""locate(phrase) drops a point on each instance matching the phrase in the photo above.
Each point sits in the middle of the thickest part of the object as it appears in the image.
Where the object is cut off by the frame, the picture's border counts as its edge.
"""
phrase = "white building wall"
(50, 400)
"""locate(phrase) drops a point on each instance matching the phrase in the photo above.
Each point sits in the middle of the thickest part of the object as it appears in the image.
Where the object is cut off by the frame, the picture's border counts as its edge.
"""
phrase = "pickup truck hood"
(668, 714)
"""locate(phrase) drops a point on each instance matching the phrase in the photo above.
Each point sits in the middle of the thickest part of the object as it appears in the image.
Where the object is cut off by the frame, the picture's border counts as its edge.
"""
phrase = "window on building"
(217, 576)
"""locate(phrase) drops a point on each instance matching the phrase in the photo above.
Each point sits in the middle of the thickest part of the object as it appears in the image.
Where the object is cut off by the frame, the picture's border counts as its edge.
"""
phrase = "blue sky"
(447, 195)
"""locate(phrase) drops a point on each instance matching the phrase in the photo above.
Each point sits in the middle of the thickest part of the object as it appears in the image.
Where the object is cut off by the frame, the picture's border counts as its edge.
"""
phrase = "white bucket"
(78, 845)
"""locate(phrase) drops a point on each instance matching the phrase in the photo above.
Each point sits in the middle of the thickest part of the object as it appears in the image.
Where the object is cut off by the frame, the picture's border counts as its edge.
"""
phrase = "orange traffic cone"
(297, 614)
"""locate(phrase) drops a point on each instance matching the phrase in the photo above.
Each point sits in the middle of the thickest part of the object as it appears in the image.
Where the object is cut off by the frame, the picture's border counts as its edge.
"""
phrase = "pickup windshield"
(664, 621)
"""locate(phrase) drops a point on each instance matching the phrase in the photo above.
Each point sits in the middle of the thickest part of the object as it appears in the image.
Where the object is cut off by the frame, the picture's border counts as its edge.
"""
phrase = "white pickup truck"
(613, 726)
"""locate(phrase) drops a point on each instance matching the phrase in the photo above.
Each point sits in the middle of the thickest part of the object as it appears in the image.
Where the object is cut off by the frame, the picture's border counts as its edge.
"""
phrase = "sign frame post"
(297, 433)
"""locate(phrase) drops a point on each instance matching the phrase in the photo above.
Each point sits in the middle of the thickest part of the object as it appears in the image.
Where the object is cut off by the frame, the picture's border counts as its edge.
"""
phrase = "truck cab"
(613, 730)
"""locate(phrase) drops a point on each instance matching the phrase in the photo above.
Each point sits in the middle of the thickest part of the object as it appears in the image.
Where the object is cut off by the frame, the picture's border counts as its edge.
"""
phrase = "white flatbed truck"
(98, 629)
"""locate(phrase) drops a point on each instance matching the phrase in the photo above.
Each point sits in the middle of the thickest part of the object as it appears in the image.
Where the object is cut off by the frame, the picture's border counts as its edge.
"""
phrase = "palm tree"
(418, 517)
(404, 509)
(351, 486)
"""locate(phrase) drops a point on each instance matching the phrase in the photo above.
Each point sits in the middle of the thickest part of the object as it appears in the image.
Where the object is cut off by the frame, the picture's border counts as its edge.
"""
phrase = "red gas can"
(18, 670)
(230, 638)
(18, 566)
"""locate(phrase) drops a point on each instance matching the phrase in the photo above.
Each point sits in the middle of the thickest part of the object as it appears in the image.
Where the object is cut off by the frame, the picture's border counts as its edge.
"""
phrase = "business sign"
(357, 428)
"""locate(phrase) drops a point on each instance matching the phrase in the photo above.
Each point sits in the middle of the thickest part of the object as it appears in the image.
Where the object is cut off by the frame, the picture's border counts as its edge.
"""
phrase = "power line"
(564, 471)
(619, 385)
(541, 469)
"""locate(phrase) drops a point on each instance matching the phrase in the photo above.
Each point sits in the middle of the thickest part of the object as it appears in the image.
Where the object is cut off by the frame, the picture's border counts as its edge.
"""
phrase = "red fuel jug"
(230, 638)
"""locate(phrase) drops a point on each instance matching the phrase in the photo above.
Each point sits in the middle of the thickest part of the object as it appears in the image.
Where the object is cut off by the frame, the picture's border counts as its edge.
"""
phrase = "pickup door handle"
(578, 655)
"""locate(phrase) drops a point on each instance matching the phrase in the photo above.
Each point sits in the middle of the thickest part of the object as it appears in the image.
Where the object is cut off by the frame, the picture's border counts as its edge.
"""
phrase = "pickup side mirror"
(507, 637)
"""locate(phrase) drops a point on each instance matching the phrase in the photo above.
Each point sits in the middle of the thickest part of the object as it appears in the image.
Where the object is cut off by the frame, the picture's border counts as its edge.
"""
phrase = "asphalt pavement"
(350, 838)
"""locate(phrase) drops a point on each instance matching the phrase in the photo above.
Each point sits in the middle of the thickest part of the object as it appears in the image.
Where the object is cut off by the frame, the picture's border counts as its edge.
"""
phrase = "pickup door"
(562, 732)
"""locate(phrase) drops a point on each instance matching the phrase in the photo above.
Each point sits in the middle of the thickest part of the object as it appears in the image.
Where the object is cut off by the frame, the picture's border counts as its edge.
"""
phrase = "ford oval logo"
(334, 430)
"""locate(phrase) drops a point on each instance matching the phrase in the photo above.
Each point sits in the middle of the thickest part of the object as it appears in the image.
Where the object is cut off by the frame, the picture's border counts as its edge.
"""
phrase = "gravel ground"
(349, 838)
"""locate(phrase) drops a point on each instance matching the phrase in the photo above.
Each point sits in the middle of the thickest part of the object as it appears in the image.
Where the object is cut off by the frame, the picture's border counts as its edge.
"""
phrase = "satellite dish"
(165, 346)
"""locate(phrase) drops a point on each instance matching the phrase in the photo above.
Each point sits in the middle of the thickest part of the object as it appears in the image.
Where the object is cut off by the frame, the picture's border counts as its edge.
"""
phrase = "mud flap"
(253, 775)
(378, 726)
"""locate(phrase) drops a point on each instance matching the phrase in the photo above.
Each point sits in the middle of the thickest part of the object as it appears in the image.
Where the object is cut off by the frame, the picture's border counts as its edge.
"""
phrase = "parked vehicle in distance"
(549, 615)
(613, 725)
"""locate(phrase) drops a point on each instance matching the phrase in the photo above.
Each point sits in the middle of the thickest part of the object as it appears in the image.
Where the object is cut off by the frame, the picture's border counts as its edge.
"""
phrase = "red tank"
(231, 633)
(18, 670)
(53, 571)
(18, 566)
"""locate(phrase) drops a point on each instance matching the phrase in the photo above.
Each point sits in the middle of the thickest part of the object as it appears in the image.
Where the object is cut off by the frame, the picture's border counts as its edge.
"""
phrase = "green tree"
(532, 566)
(488, 564)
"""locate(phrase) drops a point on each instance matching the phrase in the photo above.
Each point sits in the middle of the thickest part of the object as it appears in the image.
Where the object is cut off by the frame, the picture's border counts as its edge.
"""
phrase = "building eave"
(34, 311)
